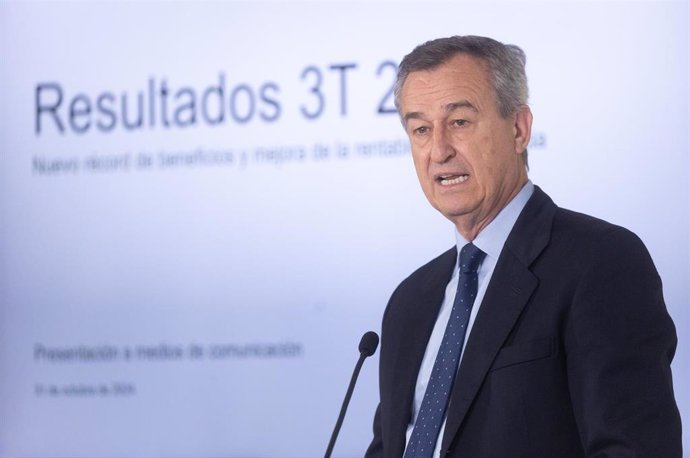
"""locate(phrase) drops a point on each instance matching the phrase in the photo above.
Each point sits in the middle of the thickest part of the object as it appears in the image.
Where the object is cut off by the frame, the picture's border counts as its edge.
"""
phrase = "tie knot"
(470, 258)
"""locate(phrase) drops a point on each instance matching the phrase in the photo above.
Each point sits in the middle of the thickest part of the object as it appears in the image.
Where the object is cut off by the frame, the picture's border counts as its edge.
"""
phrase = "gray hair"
(506, 65)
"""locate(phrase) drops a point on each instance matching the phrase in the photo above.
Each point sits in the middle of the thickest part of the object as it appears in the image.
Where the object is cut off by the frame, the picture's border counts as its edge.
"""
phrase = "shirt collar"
(492, 238)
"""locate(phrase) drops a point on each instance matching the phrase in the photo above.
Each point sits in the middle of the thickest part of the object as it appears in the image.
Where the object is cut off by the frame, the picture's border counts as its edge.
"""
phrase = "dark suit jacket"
(569, 355)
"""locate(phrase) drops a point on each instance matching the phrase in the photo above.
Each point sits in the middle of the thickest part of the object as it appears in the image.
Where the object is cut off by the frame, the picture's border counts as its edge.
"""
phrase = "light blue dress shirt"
(490, 240)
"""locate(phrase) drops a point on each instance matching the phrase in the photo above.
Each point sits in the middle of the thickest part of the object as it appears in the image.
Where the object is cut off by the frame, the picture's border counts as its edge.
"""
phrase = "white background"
(303, 252)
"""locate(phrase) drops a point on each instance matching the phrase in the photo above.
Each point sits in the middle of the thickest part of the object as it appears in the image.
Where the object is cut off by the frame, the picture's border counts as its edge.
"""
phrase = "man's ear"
(523, 128)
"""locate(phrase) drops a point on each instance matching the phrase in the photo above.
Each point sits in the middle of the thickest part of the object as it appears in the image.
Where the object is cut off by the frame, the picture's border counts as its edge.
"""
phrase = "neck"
(469, 226)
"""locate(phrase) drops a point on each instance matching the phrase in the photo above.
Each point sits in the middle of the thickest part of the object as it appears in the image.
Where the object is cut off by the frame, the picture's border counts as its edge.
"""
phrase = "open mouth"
(449, 180)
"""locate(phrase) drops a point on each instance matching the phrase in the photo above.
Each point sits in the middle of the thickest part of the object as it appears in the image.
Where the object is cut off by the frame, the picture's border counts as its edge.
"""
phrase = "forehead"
(461, 78)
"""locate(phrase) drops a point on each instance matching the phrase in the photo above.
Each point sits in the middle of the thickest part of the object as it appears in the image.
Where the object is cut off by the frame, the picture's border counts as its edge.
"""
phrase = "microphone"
(367, 347)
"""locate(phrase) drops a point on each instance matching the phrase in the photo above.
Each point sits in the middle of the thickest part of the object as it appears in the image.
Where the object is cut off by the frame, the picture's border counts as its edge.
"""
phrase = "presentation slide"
(204, 205)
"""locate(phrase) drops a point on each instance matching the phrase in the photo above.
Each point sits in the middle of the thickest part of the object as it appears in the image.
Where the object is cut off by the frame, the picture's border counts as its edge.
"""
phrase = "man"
(544, 333)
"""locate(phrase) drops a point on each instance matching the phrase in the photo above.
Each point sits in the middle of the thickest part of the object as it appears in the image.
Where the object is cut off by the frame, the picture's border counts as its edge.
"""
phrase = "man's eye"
(460, 122)
(421, 130)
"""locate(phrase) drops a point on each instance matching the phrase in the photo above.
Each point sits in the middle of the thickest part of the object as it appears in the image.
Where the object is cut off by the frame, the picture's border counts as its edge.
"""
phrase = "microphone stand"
(346, 401)
(367, 347)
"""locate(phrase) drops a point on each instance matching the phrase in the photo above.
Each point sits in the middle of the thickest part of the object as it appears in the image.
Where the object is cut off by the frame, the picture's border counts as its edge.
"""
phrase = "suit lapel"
(418, 313)
(509, 290)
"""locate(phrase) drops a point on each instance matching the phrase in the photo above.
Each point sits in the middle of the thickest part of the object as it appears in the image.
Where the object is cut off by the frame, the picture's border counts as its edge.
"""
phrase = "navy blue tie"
(433, 408)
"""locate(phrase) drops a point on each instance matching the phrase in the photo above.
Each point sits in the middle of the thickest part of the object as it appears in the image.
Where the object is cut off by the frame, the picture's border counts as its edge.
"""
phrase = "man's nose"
(441, 147)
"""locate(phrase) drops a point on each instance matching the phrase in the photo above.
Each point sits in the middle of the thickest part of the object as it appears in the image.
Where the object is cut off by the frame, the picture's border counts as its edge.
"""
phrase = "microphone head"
(369, 343)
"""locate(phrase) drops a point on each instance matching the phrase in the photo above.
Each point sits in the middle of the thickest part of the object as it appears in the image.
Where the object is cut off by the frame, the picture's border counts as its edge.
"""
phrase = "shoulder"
(562, 247)
(585, 236)
(426, 280)
(599, 263)
(542, 220)
(430, 271)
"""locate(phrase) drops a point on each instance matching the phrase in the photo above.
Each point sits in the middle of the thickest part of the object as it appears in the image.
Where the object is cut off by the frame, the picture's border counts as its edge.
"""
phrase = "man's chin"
(457, 215)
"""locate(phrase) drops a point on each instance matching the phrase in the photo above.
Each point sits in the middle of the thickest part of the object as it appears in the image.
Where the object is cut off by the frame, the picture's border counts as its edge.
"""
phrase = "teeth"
(448, 181)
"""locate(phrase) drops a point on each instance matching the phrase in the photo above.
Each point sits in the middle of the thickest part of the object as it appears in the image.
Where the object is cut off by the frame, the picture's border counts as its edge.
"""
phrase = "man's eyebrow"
(412, 115)
(460, 104)
(448, 108)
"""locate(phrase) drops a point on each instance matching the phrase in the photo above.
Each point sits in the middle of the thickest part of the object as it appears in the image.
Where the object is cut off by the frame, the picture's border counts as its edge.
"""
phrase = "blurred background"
(203, 206)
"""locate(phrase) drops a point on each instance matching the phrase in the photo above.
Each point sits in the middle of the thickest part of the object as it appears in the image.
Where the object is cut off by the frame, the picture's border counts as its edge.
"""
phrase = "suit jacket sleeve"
(619, 343)
(375, 449)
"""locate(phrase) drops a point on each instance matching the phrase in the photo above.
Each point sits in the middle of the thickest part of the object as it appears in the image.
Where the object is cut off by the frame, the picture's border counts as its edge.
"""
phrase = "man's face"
(467, 156)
